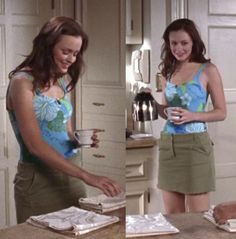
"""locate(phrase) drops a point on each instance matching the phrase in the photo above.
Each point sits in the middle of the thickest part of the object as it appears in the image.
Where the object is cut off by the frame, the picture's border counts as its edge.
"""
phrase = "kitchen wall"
(156, 16)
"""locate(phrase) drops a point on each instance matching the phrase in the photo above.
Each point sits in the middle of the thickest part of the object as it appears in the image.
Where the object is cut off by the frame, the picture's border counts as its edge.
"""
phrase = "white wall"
(158, 15)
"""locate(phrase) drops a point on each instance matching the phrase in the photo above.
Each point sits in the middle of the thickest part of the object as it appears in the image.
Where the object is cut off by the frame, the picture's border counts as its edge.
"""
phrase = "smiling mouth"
(180, 55)
(65, 65)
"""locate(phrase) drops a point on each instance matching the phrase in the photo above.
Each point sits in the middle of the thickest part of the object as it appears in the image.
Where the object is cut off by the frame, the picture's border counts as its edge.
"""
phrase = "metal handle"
(99, 156)
(100, 130)
(148, 195)
(98, 104)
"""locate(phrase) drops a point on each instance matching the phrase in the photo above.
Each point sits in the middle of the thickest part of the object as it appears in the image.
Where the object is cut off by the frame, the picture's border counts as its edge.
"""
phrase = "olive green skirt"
(39, 189)
(186, 163)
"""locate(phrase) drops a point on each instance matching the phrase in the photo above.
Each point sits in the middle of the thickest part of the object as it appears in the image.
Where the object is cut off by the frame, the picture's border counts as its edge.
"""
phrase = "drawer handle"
(98, 104)
(128, 172)
(99, 130)
(99, 156)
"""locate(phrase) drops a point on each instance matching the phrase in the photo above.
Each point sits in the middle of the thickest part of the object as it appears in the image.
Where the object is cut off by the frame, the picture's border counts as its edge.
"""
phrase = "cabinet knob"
(98, 104)
(99, 156)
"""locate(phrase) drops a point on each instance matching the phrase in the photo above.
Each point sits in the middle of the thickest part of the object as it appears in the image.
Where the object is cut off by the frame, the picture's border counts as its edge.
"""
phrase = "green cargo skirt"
(39, 189)
(186, 163)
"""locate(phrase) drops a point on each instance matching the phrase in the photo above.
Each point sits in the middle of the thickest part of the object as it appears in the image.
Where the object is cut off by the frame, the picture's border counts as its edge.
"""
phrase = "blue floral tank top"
(191, 96)
(52, 115)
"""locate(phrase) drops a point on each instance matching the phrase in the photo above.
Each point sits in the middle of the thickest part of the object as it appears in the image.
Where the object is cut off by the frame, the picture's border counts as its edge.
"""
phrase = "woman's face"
(65, 52)
(181, 45)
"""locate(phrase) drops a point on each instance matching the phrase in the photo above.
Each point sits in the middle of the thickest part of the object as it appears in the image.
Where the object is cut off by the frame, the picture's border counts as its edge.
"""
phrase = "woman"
(40, 112)
(186, 162)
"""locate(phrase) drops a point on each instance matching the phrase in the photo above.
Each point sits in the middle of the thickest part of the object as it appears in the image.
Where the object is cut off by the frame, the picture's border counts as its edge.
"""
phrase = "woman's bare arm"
(21, 98)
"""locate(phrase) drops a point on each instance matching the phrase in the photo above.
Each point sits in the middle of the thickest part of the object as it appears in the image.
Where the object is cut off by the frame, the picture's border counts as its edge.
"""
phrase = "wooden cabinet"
(142, 194)
(104, 22)
(134, 21)
(101, 103)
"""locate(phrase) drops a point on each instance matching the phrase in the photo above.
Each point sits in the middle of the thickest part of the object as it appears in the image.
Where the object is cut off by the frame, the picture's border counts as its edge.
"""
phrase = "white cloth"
(72, 220)
(148, 225)
(229, 226)
(103, 203)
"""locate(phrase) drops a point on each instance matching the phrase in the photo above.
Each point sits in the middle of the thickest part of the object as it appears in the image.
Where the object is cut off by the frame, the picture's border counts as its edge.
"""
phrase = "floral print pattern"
(45, 108)
(191, 96)
(52, 116)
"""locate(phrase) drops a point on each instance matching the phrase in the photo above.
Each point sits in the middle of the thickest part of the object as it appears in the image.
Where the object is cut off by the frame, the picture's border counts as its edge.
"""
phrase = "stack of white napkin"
(103, 203)
(72, 220)
(229, 226)
(148, 225)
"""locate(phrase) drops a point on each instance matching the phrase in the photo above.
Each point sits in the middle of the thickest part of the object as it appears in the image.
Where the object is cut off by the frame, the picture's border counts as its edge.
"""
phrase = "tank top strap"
(198, 73)
(62, 83)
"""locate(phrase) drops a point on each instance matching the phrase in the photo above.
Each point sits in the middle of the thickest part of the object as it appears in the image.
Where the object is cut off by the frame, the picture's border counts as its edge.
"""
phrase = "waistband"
(183, 137)
(43, 166)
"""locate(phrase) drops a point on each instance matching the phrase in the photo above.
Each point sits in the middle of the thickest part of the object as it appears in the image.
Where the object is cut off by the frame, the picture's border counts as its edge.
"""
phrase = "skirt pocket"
(204, 145)
(24, 180)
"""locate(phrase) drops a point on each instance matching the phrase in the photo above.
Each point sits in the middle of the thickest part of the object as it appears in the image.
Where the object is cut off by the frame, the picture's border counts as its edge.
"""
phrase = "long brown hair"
(40, 61)
(168, 63)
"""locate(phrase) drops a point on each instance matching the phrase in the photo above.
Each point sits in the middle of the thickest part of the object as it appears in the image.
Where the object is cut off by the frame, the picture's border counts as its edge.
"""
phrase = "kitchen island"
(26, 231)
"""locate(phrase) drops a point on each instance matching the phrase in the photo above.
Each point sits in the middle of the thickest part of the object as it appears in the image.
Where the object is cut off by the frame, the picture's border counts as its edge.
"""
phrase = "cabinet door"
(103, 21)
(136, 201)
(134, 18)
(20, 21)
(217, 26)
(142, 194)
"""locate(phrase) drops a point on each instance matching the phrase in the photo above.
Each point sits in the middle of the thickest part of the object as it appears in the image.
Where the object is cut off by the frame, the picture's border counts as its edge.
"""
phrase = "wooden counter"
(140, 143)
(26, 231)
(193, 226)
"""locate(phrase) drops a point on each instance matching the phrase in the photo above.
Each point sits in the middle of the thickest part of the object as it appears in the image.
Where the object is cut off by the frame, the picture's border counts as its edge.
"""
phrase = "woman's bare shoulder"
(210, 68)
(20, 81)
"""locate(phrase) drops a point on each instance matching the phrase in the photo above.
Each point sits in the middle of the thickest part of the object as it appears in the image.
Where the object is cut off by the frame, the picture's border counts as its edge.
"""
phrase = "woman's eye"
(65, 51)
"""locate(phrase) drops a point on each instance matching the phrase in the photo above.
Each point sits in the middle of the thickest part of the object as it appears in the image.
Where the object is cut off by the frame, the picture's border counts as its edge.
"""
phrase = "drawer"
(108, 154)
(103, 101)
(113, 173)
(149, 153)
(113, 126)
(136, 170)
(142, 164)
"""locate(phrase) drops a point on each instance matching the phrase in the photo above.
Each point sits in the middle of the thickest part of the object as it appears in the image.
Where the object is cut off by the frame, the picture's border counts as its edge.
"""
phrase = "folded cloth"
(148, 225)
(103, 203)
(72, 220)
(229, 226)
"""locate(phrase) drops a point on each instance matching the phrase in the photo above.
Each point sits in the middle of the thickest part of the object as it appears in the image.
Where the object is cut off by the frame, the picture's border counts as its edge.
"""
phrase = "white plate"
(140, 136)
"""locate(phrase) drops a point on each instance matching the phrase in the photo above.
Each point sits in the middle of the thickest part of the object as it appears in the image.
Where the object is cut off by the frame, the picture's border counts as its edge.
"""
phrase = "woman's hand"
(95, 138)
(182, 116)
(108, 186)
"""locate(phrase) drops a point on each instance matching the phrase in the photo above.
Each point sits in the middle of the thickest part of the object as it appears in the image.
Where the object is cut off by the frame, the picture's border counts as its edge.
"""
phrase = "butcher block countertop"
(26, 231)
